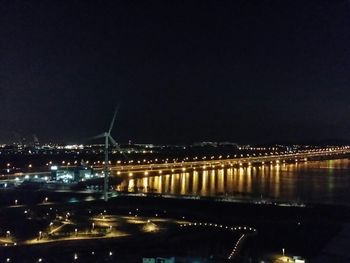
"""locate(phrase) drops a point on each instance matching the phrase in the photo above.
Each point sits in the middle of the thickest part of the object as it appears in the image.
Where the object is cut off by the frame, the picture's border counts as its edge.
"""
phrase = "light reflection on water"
(321, 181)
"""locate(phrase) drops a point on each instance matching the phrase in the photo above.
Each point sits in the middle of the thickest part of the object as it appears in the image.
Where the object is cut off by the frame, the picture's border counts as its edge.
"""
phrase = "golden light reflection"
(172, 184)
(240, 180)
(131, 184)
(145, 183)
(204, 187)
(195, 182)
(271, 180)
(229, 184)
(221, 181)
(249, 180)
(184, 178)
(277, 181)
(167, 183)
(212, 181)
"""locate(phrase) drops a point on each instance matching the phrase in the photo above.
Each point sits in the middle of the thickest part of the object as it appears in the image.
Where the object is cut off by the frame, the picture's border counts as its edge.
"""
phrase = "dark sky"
(184, 71)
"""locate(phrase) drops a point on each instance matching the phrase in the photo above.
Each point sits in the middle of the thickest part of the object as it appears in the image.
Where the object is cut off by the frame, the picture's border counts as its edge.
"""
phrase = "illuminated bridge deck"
(146, 169)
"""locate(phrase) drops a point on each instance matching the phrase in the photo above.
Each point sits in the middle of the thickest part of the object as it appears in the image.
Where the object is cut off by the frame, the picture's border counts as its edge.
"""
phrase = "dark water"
(317, 182)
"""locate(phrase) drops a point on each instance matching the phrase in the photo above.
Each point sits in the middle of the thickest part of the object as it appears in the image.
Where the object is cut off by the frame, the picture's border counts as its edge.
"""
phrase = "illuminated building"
(71, 174)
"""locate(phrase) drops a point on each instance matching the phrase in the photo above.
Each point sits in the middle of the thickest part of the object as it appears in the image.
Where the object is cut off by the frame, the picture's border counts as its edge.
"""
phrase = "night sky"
(183, 71)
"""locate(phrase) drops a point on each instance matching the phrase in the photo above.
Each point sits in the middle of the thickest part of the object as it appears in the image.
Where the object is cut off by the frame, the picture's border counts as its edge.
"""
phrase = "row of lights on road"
(184, 169)
(75, 256)
(246, 229)
(234, 250)
(175, 160)
(237, 228)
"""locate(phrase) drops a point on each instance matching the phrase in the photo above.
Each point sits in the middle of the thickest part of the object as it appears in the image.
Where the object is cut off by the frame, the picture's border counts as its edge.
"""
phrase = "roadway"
(302, 156)
(150, 168)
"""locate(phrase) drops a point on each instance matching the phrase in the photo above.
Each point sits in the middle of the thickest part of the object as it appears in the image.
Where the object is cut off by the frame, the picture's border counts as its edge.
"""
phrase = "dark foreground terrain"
(302, 231)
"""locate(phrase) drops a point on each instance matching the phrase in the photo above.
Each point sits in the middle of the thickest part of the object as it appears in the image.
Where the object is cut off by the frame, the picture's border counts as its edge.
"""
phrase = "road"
(130, 169)
(144, 169)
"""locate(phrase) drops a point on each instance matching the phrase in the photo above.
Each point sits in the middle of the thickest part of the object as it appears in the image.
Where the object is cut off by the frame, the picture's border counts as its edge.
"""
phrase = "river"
(310, 182)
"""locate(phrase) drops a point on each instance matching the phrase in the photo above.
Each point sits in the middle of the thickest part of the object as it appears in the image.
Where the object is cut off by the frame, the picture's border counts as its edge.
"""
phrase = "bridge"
(212, 162)
(156, 167)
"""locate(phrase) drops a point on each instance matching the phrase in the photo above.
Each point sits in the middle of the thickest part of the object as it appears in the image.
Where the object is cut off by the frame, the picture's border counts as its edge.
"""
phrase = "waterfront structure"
(71, 174)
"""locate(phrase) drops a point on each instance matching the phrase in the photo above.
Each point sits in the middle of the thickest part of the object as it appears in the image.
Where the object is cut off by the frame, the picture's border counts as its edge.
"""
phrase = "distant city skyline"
(183, 71)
